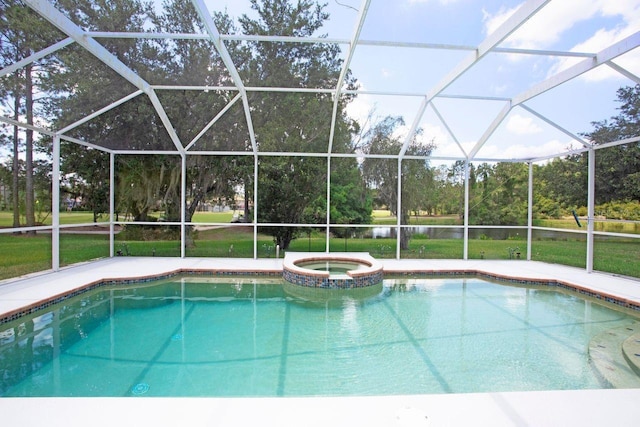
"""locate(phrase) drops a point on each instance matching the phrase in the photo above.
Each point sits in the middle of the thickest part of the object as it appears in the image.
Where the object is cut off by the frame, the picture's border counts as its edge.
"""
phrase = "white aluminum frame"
(88, 40)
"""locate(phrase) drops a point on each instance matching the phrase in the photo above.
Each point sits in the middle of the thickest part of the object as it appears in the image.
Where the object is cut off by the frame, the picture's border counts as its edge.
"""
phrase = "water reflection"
(451, 233)
(35, 341)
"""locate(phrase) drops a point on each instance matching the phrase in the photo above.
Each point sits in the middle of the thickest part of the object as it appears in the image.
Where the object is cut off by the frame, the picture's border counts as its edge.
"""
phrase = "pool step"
(631, 350)
(611, 359)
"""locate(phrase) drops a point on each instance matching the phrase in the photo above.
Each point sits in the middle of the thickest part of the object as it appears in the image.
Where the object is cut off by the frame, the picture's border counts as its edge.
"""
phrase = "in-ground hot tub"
(332, 270)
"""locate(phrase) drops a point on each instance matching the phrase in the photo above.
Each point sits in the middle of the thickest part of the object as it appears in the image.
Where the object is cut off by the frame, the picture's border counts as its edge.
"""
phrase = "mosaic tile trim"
(621, 302)
(326, 282)
(33, 308)
(321, 282)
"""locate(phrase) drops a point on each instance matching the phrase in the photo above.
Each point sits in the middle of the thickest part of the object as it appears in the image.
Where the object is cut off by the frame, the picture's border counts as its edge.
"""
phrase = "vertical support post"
(328, 230)
(255, 206)
(530, 212)
(466, 210)
(55, 205)
(399, 210)
(591, 196)
(183, 206)
(112, 201)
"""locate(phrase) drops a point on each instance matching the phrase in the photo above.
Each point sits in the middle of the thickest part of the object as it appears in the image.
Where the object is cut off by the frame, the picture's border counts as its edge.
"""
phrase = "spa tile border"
(311, 280)
(35, 307)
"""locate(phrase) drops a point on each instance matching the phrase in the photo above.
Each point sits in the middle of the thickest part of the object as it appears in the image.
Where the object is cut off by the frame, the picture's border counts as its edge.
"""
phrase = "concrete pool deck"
(619, 407)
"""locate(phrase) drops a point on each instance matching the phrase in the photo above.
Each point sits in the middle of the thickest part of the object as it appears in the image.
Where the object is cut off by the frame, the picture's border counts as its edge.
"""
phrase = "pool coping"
(568, 407)
(390, 268)
(623, 302)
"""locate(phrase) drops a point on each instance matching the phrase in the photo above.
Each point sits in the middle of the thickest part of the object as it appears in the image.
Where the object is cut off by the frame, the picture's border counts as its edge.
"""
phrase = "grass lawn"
(212, 217)
(24, 254)
(6, 218)
(381, 217)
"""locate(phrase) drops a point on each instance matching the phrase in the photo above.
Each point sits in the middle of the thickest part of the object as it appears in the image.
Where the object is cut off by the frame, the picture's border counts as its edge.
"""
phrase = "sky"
(562, 25)
(455, 125)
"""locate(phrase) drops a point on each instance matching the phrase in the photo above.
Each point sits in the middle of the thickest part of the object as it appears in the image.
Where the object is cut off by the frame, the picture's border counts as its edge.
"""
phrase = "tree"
(136, 124)
(618, 168)
(561, 185)
(447, 192)
(22, 33)
(291, 122)
(500, 196)
(287, 185)
(86, 176)
(82, 84)
(382, 174)
(351, 200)
(456, 176)
(564, 180)
(197, 62)
(145, 183)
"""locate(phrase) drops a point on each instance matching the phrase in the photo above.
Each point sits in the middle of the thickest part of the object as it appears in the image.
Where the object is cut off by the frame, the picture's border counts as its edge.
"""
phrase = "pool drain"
(139, 389)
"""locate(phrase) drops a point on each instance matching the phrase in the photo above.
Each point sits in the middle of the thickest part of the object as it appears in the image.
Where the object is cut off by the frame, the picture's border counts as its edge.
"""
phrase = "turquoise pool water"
(245, 337)
(333, 267)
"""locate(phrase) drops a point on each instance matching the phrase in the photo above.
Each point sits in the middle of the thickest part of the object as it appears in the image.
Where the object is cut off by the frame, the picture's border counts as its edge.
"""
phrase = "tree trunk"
(15, 184)
(29, 186)
(193, 207)
(247, 212)
(405, 233)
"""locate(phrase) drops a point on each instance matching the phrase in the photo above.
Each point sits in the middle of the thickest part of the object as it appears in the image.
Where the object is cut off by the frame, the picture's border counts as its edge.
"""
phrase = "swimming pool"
(198, 336)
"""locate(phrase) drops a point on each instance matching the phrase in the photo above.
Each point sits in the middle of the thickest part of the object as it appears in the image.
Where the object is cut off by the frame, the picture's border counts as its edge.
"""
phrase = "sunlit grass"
(77, 217)
(24, 254)
(212, 217)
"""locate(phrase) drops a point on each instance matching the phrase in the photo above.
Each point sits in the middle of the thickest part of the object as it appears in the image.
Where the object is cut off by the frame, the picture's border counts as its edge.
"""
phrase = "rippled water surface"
(246, 337)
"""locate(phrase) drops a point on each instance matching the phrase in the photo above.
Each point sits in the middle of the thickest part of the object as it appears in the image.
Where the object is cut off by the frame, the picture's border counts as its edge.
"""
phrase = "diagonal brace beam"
(345, 68)
(38, 55)
(99, 112)
(55, 17)
(212, 122)
(604, 56)
(557, 126)
(515, 21)
(214, 34)
(624, 72)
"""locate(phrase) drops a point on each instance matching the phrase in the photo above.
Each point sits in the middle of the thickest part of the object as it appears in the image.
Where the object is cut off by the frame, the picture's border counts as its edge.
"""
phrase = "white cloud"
(526, 151)
(360, 108)
(549, 148)
(557, 18)
(451, 149)
(521, 125)
(435, 133)
(499, 89)
(445, 2)
(512, 151)
(493, 21)
(547, 26)
(597, 42)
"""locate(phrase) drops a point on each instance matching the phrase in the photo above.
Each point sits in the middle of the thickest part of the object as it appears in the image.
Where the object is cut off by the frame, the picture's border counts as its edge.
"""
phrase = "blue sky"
(567, 25)
(574, 25)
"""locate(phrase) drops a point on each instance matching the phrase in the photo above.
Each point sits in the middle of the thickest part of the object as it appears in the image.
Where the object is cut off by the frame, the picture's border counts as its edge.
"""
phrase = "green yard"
(23, 254)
